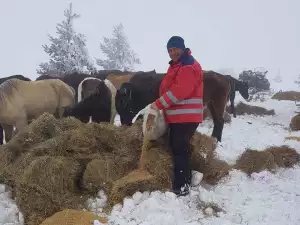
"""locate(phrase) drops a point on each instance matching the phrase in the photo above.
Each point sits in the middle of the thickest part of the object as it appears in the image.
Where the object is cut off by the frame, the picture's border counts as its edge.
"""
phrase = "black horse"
(3, 79)
(143, 89)
(237, 85)
(97, 105)
(133, 96)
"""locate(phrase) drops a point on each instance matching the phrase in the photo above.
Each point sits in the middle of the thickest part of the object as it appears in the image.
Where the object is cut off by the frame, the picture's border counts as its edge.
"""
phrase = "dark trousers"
(180, 137)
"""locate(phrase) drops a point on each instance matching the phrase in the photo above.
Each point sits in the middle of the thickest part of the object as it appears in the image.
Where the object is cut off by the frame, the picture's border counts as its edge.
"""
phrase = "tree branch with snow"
(118, 52)
(68, 52)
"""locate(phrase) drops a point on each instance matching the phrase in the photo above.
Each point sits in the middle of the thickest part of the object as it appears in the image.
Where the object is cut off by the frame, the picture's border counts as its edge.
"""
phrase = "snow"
(263, 198)
(9, 212)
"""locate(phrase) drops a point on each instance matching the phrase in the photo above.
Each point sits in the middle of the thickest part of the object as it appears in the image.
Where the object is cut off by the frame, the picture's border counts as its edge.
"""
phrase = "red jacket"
(181, 91)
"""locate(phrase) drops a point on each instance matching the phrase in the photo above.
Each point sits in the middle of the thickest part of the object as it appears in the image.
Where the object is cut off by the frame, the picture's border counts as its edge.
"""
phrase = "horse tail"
(79, 97)
(113, 90)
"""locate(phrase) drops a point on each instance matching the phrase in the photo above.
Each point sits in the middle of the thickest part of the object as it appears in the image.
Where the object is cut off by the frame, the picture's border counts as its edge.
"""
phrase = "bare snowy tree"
(119, 54)
(68, 52)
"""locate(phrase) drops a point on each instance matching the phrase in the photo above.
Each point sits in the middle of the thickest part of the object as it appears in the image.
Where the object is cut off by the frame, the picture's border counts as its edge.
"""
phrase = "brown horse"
(22, 101)
(143, 89)
(118, 80)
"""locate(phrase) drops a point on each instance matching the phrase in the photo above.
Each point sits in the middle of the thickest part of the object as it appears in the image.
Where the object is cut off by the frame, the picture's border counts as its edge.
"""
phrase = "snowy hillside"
(264, 198)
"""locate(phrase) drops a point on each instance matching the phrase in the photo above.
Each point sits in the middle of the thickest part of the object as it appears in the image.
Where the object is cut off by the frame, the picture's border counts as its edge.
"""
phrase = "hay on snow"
(284, 156)
(31, 160)
(60, 165)
(242, 109)
(156, 171)
(287, 95)
(295, 138)
(295, 123)
(255, 161)
(269, 159)
(73, 217)
(91, 156)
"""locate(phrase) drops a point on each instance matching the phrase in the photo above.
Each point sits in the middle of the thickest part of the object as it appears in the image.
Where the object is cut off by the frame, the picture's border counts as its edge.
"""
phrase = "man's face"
(175, 53)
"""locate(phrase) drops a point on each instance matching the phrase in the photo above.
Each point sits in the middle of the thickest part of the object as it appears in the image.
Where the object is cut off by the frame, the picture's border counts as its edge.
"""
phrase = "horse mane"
(45, 77)
(102, 74)
(110, 85)
(73, 90)
(146, 80)
(79, 97)
(6, 89)
(18, 76)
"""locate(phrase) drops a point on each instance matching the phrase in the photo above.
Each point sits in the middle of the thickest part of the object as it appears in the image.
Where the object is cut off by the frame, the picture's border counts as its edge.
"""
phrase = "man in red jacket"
(181, 99)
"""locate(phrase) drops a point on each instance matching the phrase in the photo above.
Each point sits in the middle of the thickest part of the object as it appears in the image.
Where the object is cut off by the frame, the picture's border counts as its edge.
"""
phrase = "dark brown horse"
(143, 89)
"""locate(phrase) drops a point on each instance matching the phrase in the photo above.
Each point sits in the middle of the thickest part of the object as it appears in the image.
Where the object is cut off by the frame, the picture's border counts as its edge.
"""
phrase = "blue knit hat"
(176, 42)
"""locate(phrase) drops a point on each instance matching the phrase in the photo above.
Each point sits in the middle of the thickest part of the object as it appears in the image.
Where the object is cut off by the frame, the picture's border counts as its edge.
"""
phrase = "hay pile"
(242, 109)
(156, 171)
(73, 217)
(58, 164)
(287, 95)
(295, 123)
(52, 165)
(271, 158)
(295, 138)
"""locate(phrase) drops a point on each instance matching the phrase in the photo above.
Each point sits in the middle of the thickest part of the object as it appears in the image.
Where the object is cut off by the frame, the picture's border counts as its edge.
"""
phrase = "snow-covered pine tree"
(119, 54)
(68, 52)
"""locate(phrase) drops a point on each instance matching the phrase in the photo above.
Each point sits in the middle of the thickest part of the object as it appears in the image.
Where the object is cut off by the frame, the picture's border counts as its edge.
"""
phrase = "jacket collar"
(185, 59)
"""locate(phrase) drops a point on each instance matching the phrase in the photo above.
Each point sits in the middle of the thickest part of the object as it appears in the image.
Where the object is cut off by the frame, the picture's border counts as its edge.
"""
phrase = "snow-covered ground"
(264, 198)
(9, 213)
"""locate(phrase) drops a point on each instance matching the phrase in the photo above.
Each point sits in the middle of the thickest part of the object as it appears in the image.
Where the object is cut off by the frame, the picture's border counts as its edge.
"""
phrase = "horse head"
(67, 111)
(127, 103)
(243, 88)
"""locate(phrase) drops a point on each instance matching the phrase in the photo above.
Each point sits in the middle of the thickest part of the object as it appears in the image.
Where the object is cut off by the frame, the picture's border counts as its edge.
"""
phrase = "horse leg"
(8, 131)
(217, 111)
(1, 135)
(232, 97)
(212, 112)
(21, 123)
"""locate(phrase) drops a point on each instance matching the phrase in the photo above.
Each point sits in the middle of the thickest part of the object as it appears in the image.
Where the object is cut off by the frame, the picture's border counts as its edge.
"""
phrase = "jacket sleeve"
(185, 83)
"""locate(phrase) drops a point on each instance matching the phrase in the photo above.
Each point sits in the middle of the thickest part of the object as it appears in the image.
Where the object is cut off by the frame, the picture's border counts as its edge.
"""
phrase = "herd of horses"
(100, 96)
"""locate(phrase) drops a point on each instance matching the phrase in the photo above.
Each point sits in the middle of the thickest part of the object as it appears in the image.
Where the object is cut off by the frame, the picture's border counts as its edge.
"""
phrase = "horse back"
(118, 80)
(215, 86)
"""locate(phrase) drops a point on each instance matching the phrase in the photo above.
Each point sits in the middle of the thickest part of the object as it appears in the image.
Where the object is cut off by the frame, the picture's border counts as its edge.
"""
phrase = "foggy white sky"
(221, 34)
